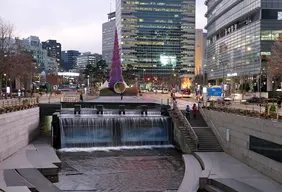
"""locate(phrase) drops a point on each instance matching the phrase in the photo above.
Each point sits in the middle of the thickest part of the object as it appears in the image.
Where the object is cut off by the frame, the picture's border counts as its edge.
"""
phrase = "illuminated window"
(279, 17)
(141, 20)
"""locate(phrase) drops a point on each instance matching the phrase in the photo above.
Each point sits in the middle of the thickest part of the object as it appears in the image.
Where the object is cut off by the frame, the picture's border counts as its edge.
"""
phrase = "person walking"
(121, 96)
(81, 97)
(194, 110)
(188, 111)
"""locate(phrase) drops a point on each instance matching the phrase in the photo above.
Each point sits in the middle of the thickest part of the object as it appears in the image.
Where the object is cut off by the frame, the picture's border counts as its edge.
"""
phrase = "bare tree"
(6, 48)
(275, 61)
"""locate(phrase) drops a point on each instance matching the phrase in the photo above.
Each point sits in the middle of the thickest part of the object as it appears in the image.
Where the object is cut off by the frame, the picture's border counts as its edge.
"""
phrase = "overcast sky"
(75, 24)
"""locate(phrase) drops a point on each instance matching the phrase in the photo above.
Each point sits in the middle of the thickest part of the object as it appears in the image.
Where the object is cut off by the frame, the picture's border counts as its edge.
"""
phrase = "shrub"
(25, 101)
(273, 108)
(212, 104)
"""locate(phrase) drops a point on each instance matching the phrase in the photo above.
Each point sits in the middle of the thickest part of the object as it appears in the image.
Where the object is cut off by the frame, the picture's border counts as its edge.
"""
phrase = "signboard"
(215, 91)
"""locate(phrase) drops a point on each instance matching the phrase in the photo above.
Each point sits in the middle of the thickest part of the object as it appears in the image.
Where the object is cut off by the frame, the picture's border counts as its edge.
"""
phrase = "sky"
(77, 25)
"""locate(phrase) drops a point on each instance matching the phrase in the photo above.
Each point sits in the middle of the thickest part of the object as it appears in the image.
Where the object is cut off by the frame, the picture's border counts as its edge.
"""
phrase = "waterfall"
(112, 130)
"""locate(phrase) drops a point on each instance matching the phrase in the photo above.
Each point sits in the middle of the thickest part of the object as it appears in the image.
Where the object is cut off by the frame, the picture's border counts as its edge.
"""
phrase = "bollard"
(168, 102)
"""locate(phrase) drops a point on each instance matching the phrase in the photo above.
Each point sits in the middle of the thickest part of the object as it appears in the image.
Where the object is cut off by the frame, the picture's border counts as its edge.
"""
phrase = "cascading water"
(110, 130)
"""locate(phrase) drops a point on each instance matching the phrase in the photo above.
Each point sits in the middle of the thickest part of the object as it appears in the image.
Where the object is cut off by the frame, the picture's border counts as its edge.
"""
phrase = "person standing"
(81, 97)
(188, 112)
(194, 110)
(121, 96)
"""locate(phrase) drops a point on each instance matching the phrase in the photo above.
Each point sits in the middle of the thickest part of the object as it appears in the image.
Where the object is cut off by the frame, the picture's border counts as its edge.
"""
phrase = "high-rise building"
(53, 50)
(200, 46)
(34, 45)
(157, 37)
(240, 36)
(87, 58)
(108, 38)
(69, 59)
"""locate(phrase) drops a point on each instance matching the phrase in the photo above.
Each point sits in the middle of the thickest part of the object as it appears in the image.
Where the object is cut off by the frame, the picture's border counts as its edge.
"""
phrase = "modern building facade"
(108, 38)
(69, 59)
(53, 50)
(200, 46)
(157, 37)
(34, 45)
(87, 59)
(240, 37)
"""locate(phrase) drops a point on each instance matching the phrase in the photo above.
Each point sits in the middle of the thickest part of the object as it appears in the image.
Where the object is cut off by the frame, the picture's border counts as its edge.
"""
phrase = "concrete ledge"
(220, 167)
(38, 158)
(190, 182)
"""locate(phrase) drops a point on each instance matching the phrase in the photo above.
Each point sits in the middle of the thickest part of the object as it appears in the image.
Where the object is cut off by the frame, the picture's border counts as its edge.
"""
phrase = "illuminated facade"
(240, 36)
(157, 37)
(200, 51)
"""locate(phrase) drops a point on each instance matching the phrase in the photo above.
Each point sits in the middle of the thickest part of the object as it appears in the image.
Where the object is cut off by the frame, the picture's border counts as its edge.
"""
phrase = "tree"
(275, 60)
(96, 74)
(128, 74)
(6, 48)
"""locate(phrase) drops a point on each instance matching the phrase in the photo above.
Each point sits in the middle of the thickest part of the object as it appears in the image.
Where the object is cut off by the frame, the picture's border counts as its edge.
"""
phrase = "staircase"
(207, 140)
(184, 127)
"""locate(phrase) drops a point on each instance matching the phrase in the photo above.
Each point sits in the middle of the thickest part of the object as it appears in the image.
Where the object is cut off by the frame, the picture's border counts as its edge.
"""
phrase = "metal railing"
(186, 124)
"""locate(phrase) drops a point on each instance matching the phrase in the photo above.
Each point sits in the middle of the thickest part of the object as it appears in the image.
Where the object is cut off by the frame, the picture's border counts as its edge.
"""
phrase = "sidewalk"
(229, 171)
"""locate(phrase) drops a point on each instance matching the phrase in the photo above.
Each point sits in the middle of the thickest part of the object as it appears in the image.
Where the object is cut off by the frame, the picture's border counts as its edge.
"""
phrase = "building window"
(279, 17)
(266, 148)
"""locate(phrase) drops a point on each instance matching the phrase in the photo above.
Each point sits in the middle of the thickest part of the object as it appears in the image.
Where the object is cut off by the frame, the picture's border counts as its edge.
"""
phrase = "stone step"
(210, 188)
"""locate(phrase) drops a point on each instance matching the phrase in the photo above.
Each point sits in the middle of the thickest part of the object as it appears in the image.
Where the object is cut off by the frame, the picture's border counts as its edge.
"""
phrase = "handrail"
(186, 124)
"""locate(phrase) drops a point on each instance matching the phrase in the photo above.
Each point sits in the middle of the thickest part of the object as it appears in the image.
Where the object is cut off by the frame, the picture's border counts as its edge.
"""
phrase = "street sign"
(215, 91)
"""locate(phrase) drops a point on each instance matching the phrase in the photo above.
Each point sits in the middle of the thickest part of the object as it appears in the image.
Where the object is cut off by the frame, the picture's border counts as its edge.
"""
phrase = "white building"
(51, 66)
(86, 59)
(33, 44)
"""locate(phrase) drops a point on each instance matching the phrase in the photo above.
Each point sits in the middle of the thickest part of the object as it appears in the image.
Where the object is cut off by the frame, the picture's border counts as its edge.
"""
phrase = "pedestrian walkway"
(225, 170)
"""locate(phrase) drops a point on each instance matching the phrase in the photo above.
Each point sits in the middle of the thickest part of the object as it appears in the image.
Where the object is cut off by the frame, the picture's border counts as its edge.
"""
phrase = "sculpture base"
(111, 92)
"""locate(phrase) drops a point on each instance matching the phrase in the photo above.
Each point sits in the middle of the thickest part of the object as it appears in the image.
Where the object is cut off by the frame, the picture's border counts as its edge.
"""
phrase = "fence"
(17, 101)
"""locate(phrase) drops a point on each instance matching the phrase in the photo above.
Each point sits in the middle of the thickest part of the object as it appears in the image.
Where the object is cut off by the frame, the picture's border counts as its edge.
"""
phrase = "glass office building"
(240, 37)
(157, 37)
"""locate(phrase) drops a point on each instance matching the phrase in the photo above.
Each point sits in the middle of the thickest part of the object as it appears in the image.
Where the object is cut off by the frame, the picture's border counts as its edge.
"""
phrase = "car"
(178, 95)
(165, 91)
(255, 100)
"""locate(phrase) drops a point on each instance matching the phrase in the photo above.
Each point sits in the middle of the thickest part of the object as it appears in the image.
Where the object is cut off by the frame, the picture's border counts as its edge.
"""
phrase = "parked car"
(255, 100)
(165, 91)
(224, 101)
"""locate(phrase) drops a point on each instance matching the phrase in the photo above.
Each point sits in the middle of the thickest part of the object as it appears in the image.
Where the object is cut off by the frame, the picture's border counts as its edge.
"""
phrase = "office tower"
(69, 59)
(53, 50)
(240, 37)
(200, 45)
(157, 37)
(87, 58)
(108, 38)
(34, 45)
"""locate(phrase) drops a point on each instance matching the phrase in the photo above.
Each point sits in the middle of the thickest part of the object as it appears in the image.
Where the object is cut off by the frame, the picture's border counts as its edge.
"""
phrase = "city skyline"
(77, 27)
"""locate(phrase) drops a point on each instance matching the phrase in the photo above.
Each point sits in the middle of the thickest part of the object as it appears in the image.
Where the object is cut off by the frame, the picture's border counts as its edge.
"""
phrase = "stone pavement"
(28, 166)
(226, 169)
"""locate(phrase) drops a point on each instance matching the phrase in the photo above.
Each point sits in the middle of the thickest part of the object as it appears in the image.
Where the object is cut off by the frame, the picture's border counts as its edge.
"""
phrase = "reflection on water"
(122, 171)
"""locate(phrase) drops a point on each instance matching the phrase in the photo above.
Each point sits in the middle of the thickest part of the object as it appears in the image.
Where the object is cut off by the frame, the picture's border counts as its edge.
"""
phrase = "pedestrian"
(194, 110)
(121, 96)
(279, 102)
(81, 97)
(188, 112)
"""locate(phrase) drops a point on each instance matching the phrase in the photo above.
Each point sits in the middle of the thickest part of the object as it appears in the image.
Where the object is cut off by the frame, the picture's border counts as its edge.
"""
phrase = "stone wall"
(17, 130)
(240, 128)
